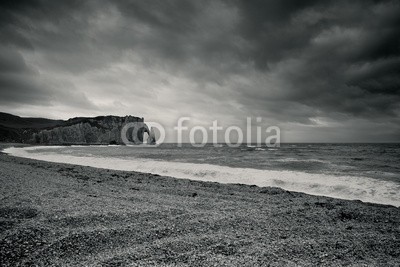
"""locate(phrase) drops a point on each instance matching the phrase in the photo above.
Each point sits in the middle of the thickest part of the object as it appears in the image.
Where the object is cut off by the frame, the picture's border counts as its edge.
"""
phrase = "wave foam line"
(343, 187)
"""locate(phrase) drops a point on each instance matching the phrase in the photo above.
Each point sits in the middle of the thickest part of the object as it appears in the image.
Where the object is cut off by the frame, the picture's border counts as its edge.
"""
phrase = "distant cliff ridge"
(81, 130)
(98, 130)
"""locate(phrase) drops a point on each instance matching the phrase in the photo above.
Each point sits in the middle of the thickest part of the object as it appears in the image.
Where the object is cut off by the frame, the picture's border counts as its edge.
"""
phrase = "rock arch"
(138, 132)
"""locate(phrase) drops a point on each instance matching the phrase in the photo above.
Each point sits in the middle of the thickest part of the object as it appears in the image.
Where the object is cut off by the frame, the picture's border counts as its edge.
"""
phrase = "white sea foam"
(344, 187)
(300, 160)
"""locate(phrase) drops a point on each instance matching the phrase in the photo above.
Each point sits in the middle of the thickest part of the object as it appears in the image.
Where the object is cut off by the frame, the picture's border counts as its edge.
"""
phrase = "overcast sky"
(323, 71)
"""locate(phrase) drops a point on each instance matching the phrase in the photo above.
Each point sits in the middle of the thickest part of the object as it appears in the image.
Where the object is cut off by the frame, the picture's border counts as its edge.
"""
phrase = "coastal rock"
(152, 137)
(98, 130)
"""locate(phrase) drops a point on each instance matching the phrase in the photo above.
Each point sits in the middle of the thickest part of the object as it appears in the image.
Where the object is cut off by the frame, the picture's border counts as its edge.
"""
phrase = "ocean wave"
(344, 187)
(300, 160)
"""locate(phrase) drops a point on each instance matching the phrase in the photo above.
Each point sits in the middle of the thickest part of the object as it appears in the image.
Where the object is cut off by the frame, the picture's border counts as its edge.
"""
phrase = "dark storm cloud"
(268, 26)
(290, 61)
(28, 26)
(18, 81)
(345, 54)
(329, 40)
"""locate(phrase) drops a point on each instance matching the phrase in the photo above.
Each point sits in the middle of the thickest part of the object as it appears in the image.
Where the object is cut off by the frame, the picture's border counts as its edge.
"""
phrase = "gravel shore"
(66, 215)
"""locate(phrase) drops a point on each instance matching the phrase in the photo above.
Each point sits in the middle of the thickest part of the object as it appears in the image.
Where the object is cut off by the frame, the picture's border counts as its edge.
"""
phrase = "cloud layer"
(321, 70)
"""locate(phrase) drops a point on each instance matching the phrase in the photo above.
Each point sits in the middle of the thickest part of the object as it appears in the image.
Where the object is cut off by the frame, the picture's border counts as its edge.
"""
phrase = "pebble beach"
(67, 215)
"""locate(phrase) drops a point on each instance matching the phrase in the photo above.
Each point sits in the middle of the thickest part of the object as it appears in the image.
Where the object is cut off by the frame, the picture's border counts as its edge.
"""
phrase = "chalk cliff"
(81, 130)
(98, 130)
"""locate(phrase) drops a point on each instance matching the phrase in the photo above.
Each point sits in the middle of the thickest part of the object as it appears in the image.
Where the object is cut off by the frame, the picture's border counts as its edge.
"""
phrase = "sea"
(366, 172)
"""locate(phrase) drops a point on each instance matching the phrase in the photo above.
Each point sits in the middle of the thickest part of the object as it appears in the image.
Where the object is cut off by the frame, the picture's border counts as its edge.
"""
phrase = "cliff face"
(81, 130)
(98, 130)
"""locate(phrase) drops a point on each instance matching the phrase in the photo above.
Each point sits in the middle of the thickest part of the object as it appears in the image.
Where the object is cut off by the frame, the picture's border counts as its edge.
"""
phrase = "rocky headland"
(80, 130)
